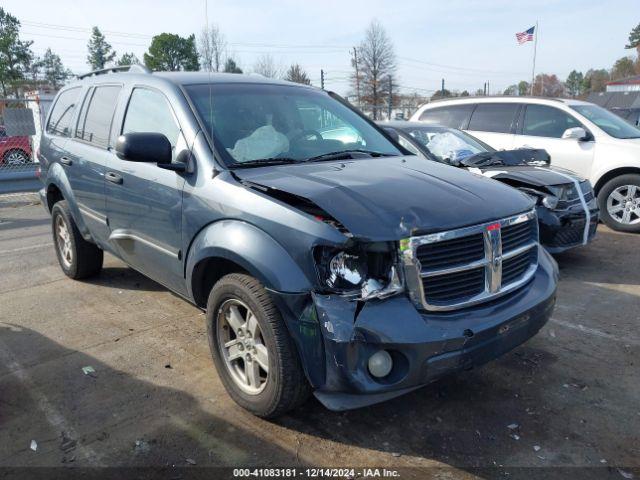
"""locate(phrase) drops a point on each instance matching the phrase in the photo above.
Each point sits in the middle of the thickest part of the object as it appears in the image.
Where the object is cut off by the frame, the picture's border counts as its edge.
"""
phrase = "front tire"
(252, 349)
(77, 257)
(619, 203)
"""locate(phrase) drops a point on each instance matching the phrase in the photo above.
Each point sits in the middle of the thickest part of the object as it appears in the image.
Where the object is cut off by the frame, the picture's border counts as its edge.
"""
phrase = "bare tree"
(297, 74)
(265, 65)
(375, 69)
(212, 48)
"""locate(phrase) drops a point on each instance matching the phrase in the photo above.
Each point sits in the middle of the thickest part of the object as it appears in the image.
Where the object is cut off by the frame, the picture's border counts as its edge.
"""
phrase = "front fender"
(251, 248)
(57, 177)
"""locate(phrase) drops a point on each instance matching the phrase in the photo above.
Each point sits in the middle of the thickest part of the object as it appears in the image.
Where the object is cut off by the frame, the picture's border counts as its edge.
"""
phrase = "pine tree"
(100, 52)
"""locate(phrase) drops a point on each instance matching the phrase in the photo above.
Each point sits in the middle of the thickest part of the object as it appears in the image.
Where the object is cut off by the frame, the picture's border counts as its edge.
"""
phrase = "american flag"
(526, 36)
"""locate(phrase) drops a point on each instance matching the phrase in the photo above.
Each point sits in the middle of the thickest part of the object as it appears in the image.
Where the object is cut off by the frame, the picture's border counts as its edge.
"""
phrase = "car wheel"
(619, 202)
(77, 257)
(15, 157)
(252, 349)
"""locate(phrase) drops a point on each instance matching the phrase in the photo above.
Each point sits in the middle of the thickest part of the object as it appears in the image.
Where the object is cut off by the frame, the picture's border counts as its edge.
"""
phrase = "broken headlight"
(363, 271)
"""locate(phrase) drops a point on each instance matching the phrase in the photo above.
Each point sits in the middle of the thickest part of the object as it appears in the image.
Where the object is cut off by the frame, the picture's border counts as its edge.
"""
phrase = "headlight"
(346, 271)
(563, 192)
(550, 201)
(363, 272)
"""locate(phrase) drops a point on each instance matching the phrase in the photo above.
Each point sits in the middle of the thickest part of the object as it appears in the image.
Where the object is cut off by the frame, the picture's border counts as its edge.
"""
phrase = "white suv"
(579, 136)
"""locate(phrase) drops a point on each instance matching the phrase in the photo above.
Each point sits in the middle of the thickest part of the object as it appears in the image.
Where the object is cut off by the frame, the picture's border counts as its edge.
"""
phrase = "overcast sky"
(466, 42)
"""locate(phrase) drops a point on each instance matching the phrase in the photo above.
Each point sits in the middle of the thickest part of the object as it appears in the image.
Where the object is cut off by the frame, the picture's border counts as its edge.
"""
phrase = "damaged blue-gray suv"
(327, 259)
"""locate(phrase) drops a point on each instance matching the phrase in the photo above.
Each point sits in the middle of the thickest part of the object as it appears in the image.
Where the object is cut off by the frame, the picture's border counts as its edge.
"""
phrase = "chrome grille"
(462, 267)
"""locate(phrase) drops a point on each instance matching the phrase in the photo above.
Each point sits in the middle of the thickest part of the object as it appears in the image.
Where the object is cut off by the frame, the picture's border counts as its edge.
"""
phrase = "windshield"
(258, 123)
(447, 144)
(607, 121)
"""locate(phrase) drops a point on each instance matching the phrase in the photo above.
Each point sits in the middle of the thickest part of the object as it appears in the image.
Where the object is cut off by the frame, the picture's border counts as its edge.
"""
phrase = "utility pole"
(355, 63)
(485, 89)
(322, 79)
(390, 98)
(488, 89)
(442, 89)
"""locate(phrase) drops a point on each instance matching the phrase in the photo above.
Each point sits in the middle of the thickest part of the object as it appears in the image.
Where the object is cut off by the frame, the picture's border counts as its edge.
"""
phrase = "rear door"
(543, 126)
(494, 123)
(87, 153)
(453, 116)
(144, 202)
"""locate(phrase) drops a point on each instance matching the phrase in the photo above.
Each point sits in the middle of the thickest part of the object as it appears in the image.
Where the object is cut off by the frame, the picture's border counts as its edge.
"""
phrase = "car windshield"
(447, 144)
(607, 121)
(259, 124)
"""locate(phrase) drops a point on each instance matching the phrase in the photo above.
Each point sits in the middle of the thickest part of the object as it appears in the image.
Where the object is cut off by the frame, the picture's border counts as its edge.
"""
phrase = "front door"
(144, 202)
(543, 126)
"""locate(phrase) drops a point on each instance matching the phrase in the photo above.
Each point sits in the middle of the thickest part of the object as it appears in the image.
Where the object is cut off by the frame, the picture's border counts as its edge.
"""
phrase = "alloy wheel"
(242, 347)
(623, 204)
(63, 241)
(15, 158)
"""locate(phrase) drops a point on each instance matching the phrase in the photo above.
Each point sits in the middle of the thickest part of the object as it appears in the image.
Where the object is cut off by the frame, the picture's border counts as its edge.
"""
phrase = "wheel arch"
(611, 174)
(232, 246)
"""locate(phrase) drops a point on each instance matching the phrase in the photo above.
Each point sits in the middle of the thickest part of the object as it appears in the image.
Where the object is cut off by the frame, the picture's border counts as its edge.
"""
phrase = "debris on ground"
(89, 370)
(627, 475)
(168, 365)
(190, 461)
(515, 437)
(34, 445)
(141, 446)
(67, 443)
(395, 454)
(536, 448)
(512, 426)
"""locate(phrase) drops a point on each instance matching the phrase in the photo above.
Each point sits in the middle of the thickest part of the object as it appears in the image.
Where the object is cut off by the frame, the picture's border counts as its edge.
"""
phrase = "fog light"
(380, 364)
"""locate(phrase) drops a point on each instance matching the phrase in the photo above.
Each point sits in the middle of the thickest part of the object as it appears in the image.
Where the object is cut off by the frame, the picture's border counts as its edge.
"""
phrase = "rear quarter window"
(454, 116)
(493, 117)
(60, 119)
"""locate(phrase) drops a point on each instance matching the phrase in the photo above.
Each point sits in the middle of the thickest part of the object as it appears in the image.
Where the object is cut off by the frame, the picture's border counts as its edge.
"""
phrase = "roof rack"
(135, 68)
(475, 97)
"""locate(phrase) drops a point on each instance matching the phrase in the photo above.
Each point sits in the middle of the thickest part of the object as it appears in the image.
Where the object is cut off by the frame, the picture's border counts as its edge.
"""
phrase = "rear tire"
(282, 385)
(619, 203)
(77, 257)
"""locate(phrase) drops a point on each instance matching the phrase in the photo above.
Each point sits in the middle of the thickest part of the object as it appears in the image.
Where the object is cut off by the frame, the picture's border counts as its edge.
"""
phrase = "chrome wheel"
(242, 346)
(623, 204)
(63, 241)
(15, 157)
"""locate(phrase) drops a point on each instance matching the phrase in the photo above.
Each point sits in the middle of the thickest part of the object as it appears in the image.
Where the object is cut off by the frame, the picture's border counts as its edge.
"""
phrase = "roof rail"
(135, 68)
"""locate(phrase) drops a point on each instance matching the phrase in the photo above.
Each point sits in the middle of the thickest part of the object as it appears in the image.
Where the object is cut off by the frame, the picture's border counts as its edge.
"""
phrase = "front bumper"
(425, 346)
(564, 229)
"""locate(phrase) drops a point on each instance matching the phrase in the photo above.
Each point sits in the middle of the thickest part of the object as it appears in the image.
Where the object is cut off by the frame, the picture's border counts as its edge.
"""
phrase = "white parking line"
(24, 249)
(596, 333)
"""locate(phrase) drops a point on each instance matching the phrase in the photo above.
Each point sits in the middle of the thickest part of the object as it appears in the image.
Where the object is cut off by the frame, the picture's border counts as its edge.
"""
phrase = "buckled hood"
(391, 198)
(530, 175)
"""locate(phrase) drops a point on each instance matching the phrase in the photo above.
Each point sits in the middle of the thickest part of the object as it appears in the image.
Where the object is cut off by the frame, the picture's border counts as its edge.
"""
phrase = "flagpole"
(535, 48)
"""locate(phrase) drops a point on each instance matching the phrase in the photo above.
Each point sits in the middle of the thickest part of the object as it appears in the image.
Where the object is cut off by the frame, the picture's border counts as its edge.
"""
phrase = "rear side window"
(60, 118)
(454, 116)
(493, 117)
(149, 111)
(544, 121)
(94, 124)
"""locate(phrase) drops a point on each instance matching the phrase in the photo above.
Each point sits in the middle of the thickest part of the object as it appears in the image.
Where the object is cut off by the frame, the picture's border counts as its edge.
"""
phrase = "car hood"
(530, 175)
(391, 198)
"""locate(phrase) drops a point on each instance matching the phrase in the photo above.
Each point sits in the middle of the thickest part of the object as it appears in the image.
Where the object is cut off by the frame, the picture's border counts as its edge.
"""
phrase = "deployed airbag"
(264, 142)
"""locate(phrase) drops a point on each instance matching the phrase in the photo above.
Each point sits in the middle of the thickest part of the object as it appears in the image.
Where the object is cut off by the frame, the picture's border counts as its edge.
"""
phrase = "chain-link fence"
(21, 123)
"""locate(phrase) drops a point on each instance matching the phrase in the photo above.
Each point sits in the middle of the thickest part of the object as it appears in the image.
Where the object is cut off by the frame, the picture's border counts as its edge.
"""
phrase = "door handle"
(66, 161)
(113, 177)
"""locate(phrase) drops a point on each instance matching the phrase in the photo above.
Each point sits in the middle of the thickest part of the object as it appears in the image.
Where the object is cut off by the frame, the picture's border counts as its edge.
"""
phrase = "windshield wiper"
(265, 161)
(346, 154)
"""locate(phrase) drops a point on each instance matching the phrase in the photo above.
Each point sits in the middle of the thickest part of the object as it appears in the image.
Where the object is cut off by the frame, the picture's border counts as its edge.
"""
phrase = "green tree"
(171, 52)
(54, 71)
(128, 58)
(634, 39)
(595, 80)
(441, 94)
(511, 90)
(624, 67)
(100, 51)
(297, 74)
(231, 67)
(464, 93)
(574, 83)
(523, 88)
(479, 92)
(15, 55)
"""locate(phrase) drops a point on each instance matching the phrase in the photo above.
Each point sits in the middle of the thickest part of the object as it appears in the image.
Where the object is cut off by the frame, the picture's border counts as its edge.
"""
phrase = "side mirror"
(575, 133)
(146, 147)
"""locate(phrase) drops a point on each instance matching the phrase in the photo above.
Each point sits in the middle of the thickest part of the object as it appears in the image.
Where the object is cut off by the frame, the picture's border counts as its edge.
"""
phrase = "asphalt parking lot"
(571, 395)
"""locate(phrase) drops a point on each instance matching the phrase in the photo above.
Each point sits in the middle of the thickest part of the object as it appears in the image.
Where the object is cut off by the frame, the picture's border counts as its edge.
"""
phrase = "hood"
(391, 198)
(531, 175)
